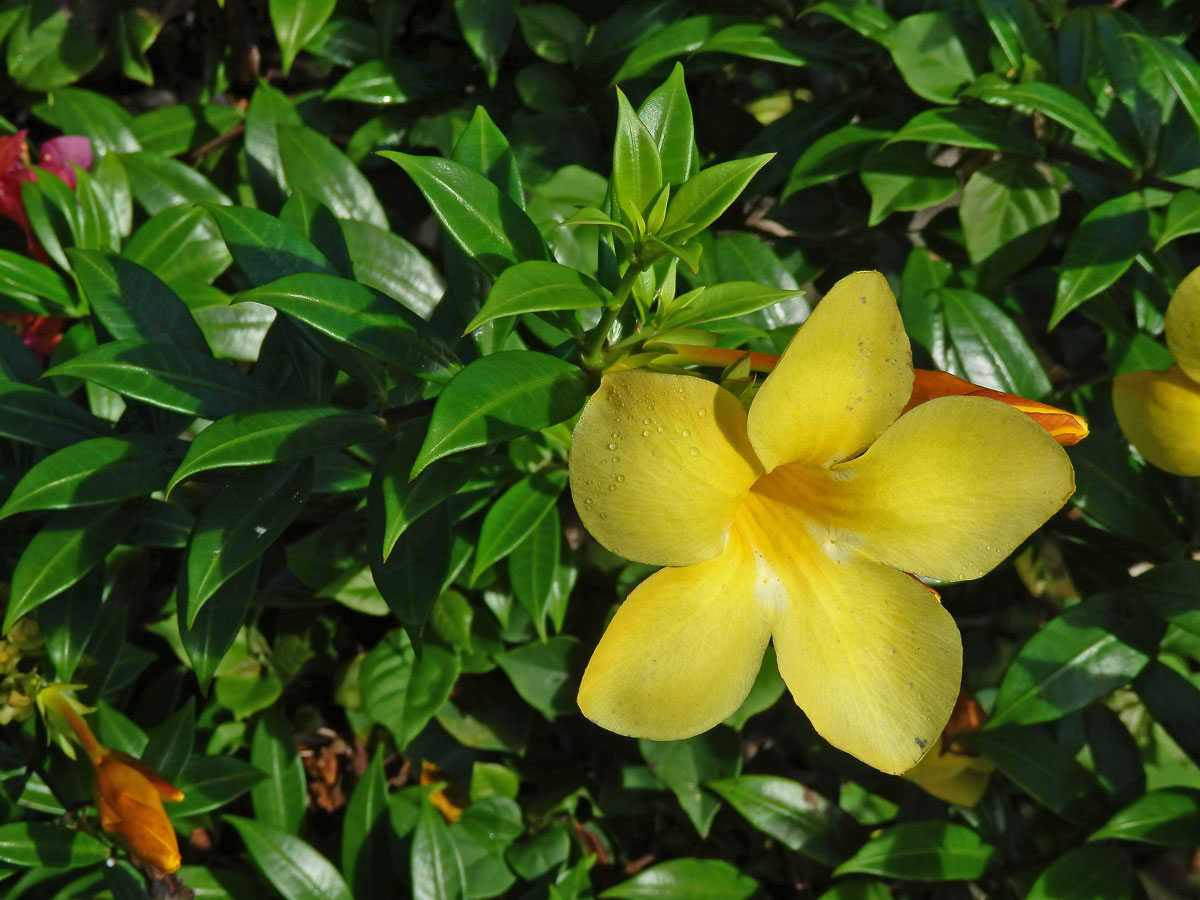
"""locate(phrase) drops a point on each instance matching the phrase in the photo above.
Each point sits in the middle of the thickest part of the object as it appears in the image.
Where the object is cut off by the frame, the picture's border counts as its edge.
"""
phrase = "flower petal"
(952, 488)
(681, 653)
(1183, 325)
(1159, 412)
(842, 380)
(868, 653)
(951, 776)
(658, 466)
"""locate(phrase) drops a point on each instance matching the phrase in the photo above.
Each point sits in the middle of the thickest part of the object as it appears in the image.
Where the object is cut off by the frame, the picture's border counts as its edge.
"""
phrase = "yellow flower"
(951, 771)
(1160, 411)
(797, 523)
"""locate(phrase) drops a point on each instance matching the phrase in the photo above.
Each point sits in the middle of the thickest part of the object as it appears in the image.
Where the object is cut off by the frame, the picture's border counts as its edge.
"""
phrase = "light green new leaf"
(667, 115)
(637, 169)
(706, 195)
(723, 301)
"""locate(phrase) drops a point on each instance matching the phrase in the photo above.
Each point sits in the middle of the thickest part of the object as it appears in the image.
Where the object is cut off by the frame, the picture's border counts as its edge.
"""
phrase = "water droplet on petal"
(704, 412)
(660, 429)
(694, 451)
(686, 433)
(604, 515)
(612, 487)
(612, 446)
(646, 433)
(620, 478)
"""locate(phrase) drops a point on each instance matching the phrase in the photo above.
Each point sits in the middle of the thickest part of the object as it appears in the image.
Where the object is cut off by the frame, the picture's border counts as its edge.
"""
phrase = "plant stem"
(593, 347)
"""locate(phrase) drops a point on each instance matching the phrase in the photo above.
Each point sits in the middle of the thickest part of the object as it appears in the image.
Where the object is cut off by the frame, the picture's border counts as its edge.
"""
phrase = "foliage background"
(1024, 172)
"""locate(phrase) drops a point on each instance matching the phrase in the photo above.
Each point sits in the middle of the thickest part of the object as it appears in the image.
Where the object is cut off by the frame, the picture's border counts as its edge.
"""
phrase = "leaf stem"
(593, 347)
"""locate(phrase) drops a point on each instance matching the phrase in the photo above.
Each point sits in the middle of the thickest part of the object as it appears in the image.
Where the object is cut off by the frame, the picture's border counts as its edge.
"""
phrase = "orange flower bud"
(1066, 428)
(129, 796)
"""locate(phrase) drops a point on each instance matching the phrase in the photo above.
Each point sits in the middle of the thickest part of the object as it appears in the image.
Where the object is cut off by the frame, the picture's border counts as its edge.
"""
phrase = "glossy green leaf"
(279, 799)
(1116, 496)
(437, 868)
(1174, 702)
(637, 169)
(1087, 873)
(796, 816)
(546, 675)
(314, 165)
(759, 40)
(475, 213)
(711, 879)
(1180, 69)
(500, 397)
(533, 566)
(49, 844)
(1169, 817)
(1043, 769)
(170, 742)
(217, 624)
(355, 315)
(514, 515)
(296, 22)
(1100, 251)
(1089, 651)
(159, 182)
(67, 622)
(96, 116)
(417, 567)
(667, 115)
(727, 300)
(94, 472)
(922, 851)
(1020, 31)
(539, 287)
(264, 248)
(706, 195)
(675, 40)
(1182, 218)
(393, 80)
(239, 524)
(402, 692)
(1008, 211)
(900, 178)
(366, 844)
(179, 245)
(393, 266)
(553, 32)
(179, 127)
(487, 27)
(35, 286)
(273, 435)
(68, 546)
(133, 303)
(209, 782)
(166, 375)
(930, 55)
(297, 870)
(1054, 103)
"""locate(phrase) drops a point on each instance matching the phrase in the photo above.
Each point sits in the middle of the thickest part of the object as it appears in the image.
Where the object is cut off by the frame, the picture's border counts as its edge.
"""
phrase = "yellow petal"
(951, 776)
(842, 380)
(1160, 414)
(868, 652)
(1183, 325)
(953, 488)
(681, 653)
(658, 465)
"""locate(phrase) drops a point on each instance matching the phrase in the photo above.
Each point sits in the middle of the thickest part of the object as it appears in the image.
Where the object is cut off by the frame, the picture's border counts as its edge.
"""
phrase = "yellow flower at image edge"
(1160, 411)
(797, 523)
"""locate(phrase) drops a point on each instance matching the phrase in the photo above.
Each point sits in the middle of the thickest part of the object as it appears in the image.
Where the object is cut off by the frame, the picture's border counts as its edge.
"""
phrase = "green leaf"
(166, 375)
(1169, 817)
(296, 22)
(67, 622)
(279, 799)
(402, 692)
(758, 40)
(533, 567)
(133, 303)
(475, 213)
(179, 245)
(366, 841)
(417, 568)
(539, 287)
(667, 115)
(1182, 219)
(437, 868)
(683, 766)
(922, 851)
(297, 870)
(726, 300)
(68, 546)
(1043, 769)
(209, 782)
(393, 266)
(900, 178)
(553, 32)
(393, 80)
(217, 624)
(487, 28)
(546, 674)
(677, 39)
(1008, 211)
(966, 126)
(1100, 250)
(272, 435)
(985, 346)
(706, 195)
(94, 472)
(353, 314)
(1086, 873)
(796, 816)
(175, 129)
(159, 182)
(1179, 67)
(35, 286)
(313, 165)
(1054, 103)
(95, 116)
(514, 515)
(35, 844)
(1115, 496)
(703, 879)
(238, 525)
(637, 169)
(170, 744)
(930, 55)
(1086, 653)
(264, 248)
(500, 397)
(1174, 702)
(1021, 33)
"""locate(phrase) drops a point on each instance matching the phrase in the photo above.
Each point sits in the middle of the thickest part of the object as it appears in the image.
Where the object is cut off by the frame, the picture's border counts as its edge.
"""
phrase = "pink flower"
(15, 167)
